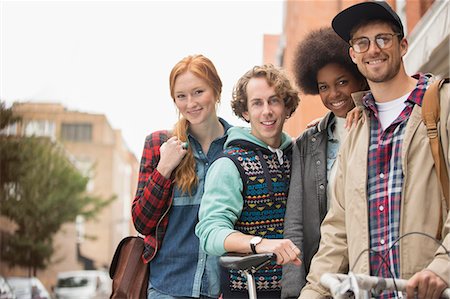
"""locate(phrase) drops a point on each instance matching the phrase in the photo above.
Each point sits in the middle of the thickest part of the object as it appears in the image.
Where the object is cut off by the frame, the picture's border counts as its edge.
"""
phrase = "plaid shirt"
(153, 196)
(385, 183)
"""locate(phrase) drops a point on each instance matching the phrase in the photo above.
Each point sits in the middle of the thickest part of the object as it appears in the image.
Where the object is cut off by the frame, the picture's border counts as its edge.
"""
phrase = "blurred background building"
(98, 152)
(426, 25)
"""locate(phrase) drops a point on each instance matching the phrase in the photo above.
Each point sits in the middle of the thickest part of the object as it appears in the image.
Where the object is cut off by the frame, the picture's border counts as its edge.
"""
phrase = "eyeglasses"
(382, 40)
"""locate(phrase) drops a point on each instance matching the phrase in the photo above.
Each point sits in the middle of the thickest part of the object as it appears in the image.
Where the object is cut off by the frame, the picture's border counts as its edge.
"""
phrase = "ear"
(403, 46)
(352, 54)
(245, 116)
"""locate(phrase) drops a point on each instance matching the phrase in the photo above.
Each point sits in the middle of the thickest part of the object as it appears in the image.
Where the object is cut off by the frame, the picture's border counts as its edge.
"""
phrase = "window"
(78, 132)
(40, 128)
(9, 130)
(72, 282)
(86, 168)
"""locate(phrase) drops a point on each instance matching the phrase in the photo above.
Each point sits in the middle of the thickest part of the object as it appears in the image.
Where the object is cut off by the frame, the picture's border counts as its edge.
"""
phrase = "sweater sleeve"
(154, 192)
(221, 206)
(294, 277)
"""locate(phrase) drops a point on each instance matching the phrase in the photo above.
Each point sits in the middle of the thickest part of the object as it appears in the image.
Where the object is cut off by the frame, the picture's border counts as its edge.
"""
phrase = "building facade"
(98, 152)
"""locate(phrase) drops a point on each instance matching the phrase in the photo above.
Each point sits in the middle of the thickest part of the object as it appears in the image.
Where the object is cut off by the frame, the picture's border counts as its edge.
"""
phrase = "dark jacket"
(307, 202)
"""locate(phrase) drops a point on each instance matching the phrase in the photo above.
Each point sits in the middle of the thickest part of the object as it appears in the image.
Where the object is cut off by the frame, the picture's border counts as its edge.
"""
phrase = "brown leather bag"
(128, 271)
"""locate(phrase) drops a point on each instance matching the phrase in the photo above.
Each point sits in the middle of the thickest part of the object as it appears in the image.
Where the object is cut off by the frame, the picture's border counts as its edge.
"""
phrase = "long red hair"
(185, 175)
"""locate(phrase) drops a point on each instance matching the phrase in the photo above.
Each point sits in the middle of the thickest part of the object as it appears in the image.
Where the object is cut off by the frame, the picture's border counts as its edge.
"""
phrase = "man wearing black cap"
(386, 188)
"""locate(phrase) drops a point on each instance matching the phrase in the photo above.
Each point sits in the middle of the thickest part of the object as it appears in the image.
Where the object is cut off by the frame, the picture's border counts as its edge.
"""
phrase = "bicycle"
(341, 286)
(361, 286)
(247, 264)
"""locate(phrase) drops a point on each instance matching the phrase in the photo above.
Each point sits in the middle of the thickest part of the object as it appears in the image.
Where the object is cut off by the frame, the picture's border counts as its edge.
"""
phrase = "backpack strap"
(430, 115)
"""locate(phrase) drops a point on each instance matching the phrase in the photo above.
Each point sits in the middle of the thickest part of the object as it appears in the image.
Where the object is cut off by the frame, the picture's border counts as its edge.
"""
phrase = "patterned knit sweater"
(265, 176)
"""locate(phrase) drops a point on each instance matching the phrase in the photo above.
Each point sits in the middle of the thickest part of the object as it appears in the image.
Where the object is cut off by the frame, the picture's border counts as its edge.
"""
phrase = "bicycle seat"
(242, 261)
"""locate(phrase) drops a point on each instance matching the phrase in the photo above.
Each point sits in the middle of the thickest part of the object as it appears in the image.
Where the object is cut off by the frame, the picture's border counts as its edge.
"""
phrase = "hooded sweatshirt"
(246, 190)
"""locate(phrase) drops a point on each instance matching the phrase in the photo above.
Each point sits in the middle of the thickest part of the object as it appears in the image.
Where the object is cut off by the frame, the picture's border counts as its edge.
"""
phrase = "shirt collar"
(279, 153)
(415, 97)
(225, 125)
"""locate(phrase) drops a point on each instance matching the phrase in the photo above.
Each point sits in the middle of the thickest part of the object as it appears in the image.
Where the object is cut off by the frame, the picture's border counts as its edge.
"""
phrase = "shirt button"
(321, 187)
(381, 208)
(382, 241)
(313, 139)
(318, 162)
(381, 175)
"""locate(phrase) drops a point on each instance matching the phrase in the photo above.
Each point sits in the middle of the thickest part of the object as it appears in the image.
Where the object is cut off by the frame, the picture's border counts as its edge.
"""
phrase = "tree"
(6, 116)
(40, 190)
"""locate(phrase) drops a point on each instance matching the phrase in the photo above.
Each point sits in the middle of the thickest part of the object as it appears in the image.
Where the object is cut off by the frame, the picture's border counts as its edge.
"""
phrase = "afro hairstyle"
(319, 48)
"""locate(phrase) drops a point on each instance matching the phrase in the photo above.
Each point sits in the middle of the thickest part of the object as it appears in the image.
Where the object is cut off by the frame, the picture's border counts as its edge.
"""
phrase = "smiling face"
(379, 65)
(194, 98)
(335, 85)
(266, 112)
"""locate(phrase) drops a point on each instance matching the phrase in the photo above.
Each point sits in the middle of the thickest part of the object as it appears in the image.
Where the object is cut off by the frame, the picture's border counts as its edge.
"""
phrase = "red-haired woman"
(171, 178)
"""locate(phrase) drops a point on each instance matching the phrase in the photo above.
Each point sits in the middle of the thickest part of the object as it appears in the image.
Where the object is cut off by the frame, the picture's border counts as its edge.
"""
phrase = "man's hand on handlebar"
(427, 284)
(285, 250)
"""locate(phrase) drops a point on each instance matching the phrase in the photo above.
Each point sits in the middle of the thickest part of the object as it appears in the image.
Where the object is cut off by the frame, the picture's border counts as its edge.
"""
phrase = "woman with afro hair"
(322, 66)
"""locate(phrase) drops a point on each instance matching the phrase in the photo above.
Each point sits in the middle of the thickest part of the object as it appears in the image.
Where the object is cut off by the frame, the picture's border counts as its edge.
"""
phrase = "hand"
(427, 285)
(285, 250)
(171, 154)
(314, 122)
(352, 117)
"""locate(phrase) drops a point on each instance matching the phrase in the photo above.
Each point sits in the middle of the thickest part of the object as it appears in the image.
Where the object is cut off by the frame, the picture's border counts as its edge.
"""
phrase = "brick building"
(99, 152)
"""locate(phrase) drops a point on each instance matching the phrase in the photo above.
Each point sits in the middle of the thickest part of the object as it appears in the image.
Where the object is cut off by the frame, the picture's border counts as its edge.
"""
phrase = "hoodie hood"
(242, 136)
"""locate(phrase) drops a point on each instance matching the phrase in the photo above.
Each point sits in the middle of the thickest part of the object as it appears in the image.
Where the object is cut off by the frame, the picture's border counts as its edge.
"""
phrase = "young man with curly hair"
(321, 66)
(244, 203)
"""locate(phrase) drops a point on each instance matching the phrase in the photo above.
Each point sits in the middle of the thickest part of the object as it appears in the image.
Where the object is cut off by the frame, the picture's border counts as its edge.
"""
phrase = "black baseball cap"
(344, 21)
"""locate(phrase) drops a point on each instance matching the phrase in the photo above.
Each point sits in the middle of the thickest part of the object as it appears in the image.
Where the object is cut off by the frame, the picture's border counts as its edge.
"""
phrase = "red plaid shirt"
(385, 183)
(153, 196)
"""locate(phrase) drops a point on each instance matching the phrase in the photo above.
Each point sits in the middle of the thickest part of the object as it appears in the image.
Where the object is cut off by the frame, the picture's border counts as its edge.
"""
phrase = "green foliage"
(40, 190)
(6, 116)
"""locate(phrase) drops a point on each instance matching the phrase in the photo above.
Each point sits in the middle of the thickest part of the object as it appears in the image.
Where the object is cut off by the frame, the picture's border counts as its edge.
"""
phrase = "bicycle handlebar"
(340, 285)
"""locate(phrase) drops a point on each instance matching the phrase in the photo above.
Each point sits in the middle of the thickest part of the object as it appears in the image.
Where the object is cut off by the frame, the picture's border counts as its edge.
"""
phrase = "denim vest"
(181, 268)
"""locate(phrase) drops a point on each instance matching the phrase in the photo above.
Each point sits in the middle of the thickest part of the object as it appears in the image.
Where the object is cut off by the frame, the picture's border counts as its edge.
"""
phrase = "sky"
(114, 57)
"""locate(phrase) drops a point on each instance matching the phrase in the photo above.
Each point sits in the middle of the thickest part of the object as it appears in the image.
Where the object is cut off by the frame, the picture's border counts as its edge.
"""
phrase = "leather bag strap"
(430, 115)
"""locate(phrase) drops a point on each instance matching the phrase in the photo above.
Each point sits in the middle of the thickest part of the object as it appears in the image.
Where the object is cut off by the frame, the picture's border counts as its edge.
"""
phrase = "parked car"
(6, 291)
(28, 288)
(87, 284)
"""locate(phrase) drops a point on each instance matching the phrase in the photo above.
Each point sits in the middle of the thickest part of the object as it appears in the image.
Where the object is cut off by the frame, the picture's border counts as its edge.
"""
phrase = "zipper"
(266, 172)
